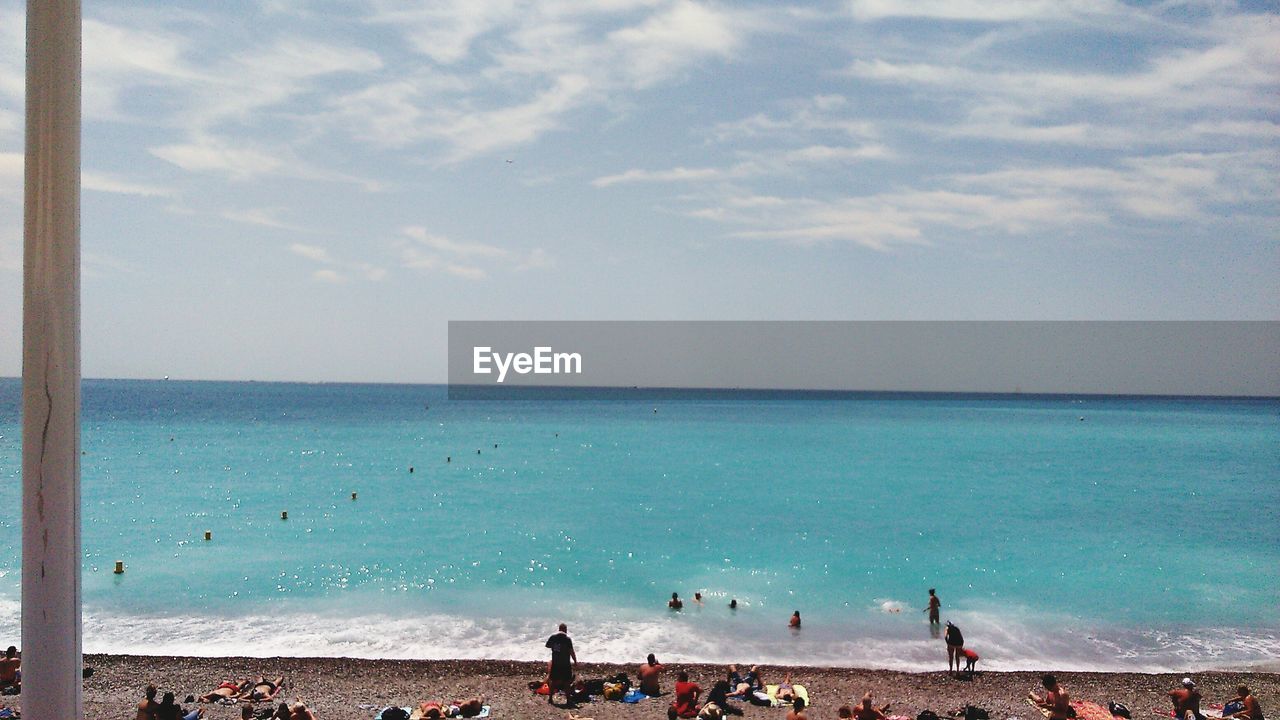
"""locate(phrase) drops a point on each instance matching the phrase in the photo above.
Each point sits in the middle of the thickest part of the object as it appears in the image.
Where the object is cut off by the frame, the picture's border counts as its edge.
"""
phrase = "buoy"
(208, 534)
(119, 567)
(284, 514)
(353, 496)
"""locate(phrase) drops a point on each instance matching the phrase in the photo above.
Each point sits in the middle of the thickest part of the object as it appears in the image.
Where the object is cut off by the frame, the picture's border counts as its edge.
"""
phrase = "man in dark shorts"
(560, 675)
(1186, 701)
(934, 605)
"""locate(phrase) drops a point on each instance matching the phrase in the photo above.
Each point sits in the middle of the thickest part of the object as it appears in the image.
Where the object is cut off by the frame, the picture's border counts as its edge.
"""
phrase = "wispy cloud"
(334, 270)
(111, 183)
(426, 251)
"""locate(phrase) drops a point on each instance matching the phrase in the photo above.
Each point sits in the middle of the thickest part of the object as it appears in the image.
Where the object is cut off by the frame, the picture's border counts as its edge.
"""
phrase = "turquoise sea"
(1064, 532)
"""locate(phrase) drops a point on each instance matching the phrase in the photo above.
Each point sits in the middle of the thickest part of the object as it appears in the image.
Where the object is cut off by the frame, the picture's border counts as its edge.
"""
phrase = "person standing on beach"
(650, 673)
(560, 675)
(934, 606)
(1186, 701)
(955, 640)
(1056, 700)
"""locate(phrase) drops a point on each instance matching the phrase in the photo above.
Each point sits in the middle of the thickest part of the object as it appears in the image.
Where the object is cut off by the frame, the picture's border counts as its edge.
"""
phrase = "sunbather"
(169, 709)
(866, 711)
(263, 690)
(467, 708)
(431, 709)
(786, 691)
(225, 689)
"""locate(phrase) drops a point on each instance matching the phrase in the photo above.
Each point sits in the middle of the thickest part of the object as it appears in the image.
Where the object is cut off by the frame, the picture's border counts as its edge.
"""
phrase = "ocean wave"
(1005, 642)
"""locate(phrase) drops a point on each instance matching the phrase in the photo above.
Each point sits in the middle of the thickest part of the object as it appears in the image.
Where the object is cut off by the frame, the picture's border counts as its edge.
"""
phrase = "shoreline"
(339, 687)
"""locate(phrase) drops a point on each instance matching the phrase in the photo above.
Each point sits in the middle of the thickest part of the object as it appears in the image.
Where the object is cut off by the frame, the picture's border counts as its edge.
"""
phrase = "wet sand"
(338, 688)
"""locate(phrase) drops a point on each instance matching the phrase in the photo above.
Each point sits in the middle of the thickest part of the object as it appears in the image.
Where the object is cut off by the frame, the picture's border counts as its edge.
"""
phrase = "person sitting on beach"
(1186, 701)
(719, 696)
(299, 711)
(686, 703)
(147, 707)
(934, 605)
(675, 603)
(970, 660)
(955, 640)
(263, 690)
(282, 712)
(10, 673)
(866, 711)
(795, 620)
(650, 673)
(169, 709)
(797, 710)
(1252, 709)
(225, 690)
(560, 671)
(1056, 700)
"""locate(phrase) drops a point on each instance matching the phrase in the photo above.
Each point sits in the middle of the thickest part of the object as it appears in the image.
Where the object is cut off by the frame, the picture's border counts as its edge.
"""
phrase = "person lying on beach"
(1252, 708)
(10, 674)
(866, 711)
(719, 696)
(686, 703)
(786, 691)
(147, 707)
(743, 685)
(467, 708)
(263, 690)
(675, 603)
(169, 709)
(650, 673)
(1056, 700)
(797, 710)
(1186, 701)
(225, 689)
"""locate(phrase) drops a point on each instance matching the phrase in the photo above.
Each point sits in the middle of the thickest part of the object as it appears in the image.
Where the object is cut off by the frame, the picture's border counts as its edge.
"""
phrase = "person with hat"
(1186, 701)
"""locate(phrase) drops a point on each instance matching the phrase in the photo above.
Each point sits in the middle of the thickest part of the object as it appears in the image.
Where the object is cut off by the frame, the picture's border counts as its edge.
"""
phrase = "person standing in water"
(795, 620)
(675, 603)
(934, 606)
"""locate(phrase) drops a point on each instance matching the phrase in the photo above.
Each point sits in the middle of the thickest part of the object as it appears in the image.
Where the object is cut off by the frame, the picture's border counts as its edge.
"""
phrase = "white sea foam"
(1005, 642)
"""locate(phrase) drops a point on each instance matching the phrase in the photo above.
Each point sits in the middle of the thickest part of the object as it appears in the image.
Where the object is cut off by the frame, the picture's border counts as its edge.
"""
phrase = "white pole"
(51, 660)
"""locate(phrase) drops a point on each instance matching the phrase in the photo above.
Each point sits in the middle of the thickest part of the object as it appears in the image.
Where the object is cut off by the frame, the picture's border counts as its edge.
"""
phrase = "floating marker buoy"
(119, 567)
(284, 514)
(208, 534)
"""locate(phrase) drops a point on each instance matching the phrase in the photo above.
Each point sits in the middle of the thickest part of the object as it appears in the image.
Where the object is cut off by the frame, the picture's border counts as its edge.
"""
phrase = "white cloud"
(676, 174)
(110, 183)
(329, 275)
(983, 10)
(427, 251)
(312, 252)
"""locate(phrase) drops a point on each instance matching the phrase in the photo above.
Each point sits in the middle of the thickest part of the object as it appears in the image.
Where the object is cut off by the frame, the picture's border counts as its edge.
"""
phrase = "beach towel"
(800, 692)
(1085, 710)
(634, 696)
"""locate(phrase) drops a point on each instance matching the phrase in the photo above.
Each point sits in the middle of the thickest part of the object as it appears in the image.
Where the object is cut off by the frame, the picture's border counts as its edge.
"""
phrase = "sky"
(298, 190)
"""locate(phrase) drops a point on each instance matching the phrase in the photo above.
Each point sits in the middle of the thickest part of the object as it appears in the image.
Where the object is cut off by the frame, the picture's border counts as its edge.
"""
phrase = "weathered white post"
(51, 661)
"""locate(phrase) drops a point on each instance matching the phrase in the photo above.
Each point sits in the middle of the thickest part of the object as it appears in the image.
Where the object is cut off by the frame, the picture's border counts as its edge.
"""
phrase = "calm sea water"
(1092, 532)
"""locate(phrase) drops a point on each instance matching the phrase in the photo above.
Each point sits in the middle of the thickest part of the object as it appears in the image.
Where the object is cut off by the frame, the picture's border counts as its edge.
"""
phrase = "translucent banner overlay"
(497, 360)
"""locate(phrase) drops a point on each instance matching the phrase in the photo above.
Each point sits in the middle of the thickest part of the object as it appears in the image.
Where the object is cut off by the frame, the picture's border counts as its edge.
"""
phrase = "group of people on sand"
(245, 692)
(675, 603)
(1186, 703)
(749, 686)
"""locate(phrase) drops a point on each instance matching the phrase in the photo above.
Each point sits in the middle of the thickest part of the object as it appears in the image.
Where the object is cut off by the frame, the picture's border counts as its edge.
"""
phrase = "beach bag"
(928, 715)
(1119, 710)
(972, 712)
(614, 691)
(394, 713)
(594, 686)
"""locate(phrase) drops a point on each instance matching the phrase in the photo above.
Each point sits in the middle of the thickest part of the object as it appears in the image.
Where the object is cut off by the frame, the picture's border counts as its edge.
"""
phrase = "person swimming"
(675, 603)
(795, 620)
